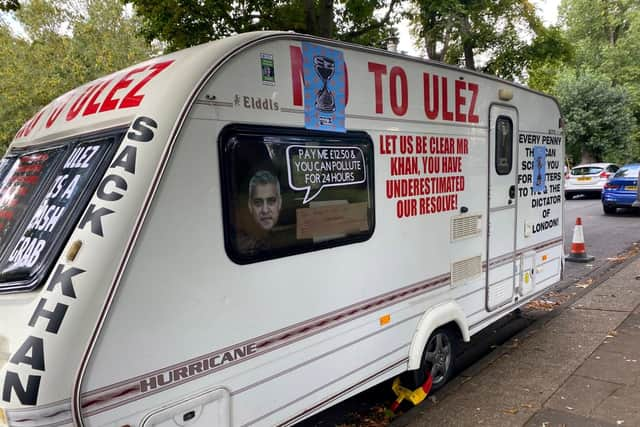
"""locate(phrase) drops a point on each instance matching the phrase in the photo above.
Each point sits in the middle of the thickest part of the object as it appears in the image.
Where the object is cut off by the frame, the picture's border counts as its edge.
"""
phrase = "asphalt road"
(606, 238)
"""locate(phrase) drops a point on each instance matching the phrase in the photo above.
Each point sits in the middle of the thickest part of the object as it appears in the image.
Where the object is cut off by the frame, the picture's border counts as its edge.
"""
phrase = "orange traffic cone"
(578, 252)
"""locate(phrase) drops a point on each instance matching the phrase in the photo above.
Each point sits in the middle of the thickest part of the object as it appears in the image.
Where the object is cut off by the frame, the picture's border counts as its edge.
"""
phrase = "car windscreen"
(628, 172)
(42, 194)
(590, 170)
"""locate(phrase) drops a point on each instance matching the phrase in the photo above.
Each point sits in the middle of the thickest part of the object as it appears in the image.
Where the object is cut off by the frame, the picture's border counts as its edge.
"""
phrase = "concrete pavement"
(580, 367)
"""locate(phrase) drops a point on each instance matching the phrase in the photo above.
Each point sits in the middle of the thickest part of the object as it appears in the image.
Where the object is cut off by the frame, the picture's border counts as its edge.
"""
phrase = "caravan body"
(152, 272)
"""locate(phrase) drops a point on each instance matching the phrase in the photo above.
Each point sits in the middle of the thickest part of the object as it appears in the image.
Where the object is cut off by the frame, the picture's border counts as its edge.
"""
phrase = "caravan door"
(501, 259)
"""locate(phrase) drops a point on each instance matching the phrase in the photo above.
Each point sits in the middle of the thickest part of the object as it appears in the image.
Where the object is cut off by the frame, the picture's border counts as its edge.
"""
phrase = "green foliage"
(8, 5)
(606, 38)
(63, 46)
(507, 32)
(180, 24)
(545, 55)
(598, 121)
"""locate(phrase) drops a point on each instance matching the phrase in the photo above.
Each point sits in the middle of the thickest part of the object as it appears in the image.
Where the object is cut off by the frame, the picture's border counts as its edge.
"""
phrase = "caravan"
(251, 230)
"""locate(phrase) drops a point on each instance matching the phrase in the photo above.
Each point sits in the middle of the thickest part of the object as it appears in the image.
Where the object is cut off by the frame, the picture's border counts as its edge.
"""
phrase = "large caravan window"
(291, 191)
(42, 194)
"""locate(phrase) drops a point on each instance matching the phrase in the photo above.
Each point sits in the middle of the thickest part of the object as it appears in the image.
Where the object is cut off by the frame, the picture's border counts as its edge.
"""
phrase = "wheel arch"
(445, 314)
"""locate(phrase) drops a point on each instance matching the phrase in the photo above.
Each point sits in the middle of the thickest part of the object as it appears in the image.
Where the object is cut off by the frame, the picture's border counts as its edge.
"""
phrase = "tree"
(181, 24)
(606, 35)
(8, 5)
(598, 121)
(507, 32)
(62, 45)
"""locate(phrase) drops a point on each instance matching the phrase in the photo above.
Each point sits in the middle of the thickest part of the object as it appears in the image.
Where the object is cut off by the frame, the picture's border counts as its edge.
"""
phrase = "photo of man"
(265, 200)
(264, 203)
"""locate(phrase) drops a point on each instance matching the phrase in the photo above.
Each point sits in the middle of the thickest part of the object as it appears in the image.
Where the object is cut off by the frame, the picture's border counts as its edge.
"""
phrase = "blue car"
(621, 190)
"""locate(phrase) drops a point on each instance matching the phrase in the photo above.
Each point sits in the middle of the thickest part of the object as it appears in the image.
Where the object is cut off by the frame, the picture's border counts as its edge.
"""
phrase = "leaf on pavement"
(584, 284)
(510, 411)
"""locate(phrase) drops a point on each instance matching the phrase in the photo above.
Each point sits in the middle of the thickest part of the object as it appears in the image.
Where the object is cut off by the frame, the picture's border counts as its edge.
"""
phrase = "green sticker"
(267, 69)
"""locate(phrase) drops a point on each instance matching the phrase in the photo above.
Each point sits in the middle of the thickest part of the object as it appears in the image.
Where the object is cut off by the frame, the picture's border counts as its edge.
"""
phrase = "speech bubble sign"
(312, 168)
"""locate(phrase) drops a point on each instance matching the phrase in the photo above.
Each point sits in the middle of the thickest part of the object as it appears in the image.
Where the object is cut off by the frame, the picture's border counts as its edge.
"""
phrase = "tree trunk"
(467, 43)
(310, 17)
(325, 18)
(318, 16)
(586, 156)
(432, 51)
(469, 61)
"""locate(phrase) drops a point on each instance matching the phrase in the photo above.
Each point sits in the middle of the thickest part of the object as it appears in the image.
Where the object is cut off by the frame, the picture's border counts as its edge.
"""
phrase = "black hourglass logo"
(325, 68)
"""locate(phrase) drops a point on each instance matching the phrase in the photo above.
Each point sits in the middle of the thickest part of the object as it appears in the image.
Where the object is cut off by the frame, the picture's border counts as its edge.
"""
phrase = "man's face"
(265, 205)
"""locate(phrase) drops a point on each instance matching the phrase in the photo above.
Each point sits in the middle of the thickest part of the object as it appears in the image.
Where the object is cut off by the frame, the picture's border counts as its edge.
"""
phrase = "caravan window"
(504, 145)
(42, 194)
(292, 191)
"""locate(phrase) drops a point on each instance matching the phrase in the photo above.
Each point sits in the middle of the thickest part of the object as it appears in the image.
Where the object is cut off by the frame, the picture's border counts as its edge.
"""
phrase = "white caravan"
(251, 230)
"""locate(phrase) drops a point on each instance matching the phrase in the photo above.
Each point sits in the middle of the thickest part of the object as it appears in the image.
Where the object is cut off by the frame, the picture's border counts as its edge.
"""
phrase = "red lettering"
(132, 99)
(431, 97)
(109, 102)
(398, 108)
(81, 101)
(57, 110)
(473, 118)
(388, 144)
(446, 114)
(297, 78)
(19, 133)
(32, 123)
(378, 70)
(92, 107)
(460, 100)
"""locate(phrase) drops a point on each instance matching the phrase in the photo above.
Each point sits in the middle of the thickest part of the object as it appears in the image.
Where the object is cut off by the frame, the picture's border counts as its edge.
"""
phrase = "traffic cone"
(578, 252)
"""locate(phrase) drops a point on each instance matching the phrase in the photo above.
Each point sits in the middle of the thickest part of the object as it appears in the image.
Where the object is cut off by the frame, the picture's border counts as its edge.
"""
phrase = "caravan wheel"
(438, 358)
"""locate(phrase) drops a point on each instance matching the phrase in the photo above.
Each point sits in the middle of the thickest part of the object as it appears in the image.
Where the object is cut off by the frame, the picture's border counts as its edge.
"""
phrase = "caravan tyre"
(438, 358)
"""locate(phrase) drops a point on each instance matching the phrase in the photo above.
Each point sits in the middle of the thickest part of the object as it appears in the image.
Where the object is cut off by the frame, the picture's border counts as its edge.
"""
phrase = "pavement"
(577, 367)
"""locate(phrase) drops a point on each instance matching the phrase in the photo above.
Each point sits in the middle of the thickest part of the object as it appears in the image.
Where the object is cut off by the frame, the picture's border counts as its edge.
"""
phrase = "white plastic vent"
(466, 269)
(466, 226)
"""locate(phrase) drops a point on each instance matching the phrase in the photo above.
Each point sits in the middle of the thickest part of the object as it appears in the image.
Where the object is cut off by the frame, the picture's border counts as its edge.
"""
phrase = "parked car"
(588, 179)
(622, 190)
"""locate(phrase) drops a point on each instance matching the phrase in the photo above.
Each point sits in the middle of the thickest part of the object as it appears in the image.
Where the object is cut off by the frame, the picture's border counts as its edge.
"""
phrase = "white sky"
(547, 9)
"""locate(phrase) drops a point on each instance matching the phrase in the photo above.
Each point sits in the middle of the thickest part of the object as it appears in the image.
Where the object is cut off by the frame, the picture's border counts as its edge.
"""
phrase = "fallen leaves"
(515, 410)
(548, 301)
(584, 284)
(626, 255)
(376, 417)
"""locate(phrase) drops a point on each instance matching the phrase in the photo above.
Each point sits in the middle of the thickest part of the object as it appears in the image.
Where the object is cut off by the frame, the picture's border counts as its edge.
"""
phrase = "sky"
(548, 9)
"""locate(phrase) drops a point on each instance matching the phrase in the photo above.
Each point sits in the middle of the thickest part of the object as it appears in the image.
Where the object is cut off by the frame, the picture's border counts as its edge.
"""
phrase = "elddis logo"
(255, 103)
(206, 364)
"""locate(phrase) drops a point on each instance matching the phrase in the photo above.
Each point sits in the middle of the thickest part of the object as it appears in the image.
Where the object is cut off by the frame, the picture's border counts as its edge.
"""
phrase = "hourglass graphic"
(325, 68)
(540, 165)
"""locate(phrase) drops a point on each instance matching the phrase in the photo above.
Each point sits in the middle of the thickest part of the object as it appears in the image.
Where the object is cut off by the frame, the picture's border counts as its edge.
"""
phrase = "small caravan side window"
(504, 145)
(288, 191)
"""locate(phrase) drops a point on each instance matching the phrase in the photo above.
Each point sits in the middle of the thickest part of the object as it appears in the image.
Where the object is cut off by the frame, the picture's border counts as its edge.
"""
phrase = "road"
(606, 237)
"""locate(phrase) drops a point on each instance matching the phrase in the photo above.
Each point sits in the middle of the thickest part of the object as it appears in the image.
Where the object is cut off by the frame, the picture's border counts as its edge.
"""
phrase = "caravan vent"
(466, 269)
(465, 226)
